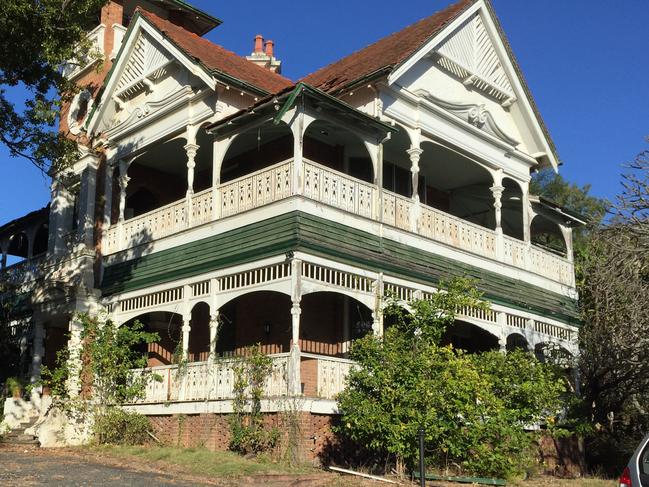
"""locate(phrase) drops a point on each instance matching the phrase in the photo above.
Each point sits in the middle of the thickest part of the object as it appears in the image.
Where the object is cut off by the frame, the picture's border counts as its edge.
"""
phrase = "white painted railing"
(550, 265)
(349, 194)
(338, 190)
(257, 189)
(202, 381)
(454, 231)
(332, 374)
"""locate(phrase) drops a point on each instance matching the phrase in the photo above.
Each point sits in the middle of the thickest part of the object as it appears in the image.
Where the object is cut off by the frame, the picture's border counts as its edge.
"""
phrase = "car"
(636, 473)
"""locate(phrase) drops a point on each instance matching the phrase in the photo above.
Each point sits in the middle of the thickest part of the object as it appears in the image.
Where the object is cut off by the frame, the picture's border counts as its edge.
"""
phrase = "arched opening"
(159, 176)
(40, 240)
(469, 337)
(167, 350)
(554, 354)
(331, 321)
(397, 177)
(256, 149)
(454, 184)
(546, 234)
(199, 335)
(339, 149)
(516, 341)
(260, 317)
(18, 248)
(512, 209)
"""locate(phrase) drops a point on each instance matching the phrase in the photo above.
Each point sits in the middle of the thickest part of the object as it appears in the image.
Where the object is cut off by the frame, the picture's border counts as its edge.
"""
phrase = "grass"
(201, 461)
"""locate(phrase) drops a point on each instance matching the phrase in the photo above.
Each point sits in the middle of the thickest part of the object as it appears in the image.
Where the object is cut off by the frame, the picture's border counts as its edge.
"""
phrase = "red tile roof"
(385, 53)
(216, 58)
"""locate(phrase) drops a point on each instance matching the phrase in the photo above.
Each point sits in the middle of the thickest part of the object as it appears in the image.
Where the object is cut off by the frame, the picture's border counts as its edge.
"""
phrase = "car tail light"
(625, 478)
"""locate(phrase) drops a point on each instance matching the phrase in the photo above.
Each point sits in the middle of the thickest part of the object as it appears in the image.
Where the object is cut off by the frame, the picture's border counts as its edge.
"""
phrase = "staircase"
(17, 436)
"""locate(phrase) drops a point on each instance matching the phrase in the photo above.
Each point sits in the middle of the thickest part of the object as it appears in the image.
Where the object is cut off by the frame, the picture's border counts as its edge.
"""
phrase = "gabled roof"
(216, 59)
(385, 54)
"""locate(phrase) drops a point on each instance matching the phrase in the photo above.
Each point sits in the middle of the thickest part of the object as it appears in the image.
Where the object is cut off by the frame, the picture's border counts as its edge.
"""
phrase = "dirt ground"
(78, 467)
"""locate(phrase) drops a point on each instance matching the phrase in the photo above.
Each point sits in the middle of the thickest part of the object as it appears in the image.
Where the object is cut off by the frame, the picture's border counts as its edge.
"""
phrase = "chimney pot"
(269, 48)
(259, 43)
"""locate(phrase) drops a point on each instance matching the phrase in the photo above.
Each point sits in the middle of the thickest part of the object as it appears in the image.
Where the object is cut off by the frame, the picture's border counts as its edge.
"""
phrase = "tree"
(473, 408)
(36, 39)
(554, 187)
(614, 291)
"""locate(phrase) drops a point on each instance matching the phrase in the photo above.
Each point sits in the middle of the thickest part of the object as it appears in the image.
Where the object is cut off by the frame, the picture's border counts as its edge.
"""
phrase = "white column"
(497, 192)
(123, 184)
(214, 329)
(75, 329)
(525, 203)
(37, 352)
(191, 149)
(377, 313)
(87, 195)
(108, 198)
(294, 376)
(297, 127)
(186, 329)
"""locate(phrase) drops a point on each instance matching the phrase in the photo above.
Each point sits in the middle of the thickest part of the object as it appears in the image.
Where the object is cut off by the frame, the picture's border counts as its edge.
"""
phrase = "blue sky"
(584, 60)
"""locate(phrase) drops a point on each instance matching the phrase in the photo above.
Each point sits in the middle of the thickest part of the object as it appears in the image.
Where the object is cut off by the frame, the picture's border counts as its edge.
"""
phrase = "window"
(643, 465)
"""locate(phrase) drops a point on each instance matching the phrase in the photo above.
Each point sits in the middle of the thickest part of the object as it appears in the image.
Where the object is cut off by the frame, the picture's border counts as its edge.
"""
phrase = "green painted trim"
(199, 12)
(297, 231)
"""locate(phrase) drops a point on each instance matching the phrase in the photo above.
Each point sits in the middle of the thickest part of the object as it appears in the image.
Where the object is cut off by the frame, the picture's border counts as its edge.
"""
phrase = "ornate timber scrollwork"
(475, 114)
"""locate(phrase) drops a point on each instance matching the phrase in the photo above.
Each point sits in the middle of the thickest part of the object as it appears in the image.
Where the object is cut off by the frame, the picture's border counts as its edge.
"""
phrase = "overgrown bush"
(473, 408)
(118, 427)
(247, 423)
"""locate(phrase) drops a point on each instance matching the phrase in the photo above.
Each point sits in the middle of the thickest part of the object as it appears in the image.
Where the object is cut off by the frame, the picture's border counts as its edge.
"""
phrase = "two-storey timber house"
(223, 205)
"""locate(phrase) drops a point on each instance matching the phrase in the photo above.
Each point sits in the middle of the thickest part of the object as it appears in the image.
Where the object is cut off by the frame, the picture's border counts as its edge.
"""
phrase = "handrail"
(253, 174)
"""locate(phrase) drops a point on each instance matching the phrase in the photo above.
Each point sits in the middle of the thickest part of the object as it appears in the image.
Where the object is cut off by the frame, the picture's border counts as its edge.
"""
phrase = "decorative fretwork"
(481, 314)
(147, 63)
(254, 277)
(257, 189)
(338, 190)
(401, 293)
(470, 55)
(335, 277)
(153, 299)
(200, 289)
(555, 331)
(517, 321)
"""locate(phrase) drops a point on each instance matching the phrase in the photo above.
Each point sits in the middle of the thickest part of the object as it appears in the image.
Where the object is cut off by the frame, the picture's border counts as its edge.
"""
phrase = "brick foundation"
(212, 431)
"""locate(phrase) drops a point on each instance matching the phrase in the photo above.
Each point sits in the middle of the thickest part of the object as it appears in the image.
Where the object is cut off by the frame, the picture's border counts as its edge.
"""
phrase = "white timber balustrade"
(332, 374)
(257, 189)
(338, 190)
(210, 380)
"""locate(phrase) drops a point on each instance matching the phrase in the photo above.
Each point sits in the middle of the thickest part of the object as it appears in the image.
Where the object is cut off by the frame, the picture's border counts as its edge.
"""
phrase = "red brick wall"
(212, 431)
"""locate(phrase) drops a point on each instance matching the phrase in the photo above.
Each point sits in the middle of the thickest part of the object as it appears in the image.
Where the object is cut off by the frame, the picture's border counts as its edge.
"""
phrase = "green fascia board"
(305, 89)
(298, 231)
(199, 12)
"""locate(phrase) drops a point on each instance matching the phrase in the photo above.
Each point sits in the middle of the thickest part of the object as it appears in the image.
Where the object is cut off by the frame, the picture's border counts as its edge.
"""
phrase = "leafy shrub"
(473, 408)
(118, 427)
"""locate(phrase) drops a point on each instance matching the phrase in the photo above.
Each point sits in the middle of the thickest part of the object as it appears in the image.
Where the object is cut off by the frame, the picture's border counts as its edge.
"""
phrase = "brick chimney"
(263, 55)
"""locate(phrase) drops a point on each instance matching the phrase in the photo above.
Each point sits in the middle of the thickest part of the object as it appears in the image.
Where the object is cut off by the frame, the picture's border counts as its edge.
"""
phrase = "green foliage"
(14, 386)
(36, 38)
(247, 422)
(554, 187)
(473, 408)
(108, 354)
(118, 427)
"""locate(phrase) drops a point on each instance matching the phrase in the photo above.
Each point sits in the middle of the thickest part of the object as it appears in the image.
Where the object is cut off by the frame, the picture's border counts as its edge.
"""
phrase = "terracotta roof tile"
(385, 53)
(218, 59)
